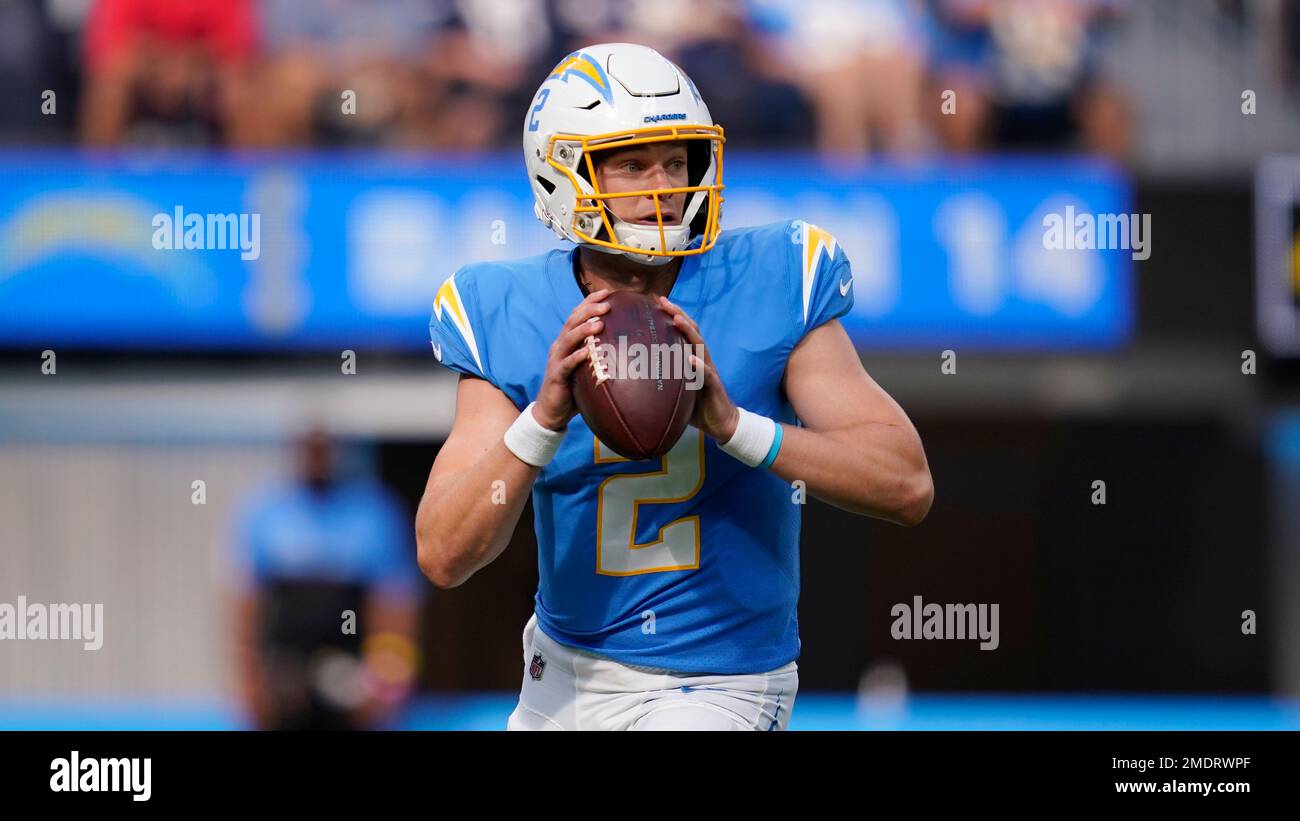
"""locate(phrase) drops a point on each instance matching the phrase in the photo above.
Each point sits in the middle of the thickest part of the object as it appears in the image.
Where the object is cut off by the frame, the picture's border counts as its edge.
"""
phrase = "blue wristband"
(771, 453)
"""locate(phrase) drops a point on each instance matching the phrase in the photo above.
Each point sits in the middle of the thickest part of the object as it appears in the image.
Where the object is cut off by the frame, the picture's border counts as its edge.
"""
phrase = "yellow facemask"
(563, 149)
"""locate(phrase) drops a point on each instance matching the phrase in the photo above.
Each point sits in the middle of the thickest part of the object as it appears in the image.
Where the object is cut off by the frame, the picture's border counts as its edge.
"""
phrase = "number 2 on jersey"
(620, 497)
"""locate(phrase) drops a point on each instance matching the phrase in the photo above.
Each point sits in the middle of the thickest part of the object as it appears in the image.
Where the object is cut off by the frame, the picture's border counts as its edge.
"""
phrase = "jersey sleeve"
(826, 280)
(455, 329)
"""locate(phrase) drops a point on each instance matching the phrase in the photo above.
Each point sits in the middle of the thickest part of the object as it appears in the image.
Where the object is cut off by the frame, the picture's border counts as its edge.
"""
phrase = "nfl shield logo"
(537, 667)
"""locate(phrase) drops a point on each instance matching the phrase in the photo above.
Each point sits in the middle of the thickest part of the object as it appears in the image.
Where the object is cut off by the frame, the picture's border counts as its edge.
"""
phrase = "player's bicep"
(828, 387)
(483, 413)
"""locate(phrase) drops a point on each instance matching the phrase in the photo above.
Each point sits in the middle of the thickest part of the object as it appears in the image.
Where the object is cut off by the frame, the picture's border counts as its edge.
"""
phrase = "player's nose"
(658, 177)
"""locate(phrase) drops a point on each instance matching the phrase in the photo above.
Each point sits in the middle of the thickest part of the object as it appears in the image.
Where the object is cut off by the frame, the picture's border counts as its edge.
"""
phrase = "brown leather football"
(632, 391)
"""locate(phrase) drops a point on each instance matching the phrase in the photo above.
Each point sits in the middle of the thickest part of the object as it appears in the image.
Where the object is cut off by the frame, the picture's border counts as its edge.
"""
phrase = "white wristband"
(753, 440)
(532, 443)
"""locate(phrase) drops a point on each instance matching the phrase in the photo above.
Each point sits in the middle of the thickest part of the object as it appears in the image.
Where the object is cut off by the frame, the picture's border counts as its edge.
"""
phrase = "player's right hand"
(554, 406)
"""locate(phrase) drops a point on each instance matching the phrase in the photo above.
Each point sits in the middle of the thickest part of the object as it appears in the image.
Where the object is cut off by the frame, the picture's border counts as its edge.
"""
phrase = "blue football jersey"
(689, 562)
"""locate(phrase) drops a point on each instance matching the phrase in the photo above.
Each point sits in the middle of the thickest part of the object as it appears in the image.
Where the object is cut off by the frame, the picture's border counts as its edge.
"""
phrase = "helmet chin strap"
(642, 236)
(638, 236)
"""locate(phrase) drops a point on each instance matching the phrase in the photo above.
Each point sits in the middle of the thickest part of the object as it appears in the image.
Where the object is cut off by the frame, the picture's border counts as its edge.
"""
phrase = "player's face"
(641, 168)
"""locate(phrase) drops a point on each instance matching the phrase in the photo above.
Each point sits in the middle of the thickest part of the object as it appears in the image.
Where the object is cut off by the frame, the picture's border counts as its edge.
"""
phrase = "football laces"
(599, 367)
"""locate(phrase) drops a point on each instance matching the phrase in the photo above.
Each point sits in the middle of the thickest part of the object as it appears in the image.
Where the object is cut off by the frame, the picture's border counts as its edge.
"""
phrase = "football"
(633, 391)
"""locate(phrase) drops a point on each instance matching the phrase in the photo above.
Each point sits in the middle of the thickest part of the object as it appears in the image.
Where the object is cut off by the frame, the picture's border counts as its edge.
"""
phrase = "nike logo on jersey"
(844, 286)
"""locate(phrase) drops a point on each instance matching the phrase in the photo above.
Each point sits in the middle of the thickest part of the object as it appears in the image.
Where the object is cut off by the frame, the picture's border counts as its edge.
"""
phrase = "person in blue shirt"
(327, 594)
(668, 587)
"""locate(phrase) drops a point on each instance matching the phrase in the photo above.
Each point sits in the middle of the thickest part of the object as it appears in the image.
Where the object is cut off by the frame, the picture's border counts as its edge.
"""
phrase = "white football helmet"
(611, 96)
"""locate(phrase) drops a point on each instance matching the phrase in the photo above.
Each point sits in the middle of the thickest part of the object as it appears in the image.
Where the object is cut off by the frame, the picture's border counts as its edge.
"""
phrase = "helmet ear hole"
(545, 183)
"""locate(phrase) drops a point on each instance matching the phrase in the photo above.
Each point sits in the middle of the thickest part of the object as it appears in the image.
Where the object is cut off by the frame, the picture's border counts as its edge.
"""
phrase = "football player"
(668, 587)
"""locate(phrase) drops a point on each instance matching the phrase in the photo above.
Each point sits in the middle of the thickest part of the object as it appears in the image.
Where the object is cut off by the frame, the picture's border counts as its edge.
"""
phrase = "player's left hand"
(715, 414)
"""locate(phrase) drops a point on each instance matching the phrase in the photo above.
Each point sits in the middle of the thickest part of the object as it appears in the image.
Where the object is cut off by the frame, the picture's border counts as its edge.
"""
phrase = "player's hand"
(554, 406)
(715, 414)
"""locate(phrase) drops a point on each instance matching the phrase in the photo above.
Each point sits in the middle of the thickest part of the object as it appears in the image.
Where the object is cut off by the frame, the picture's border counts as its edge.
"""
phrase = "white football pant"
(578, 690)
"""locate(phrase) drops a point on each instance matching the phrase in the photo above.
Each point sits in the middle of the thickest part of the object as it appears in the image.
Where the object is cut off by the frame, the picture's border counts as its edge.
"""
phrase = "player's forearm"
(465, 520)
(872, 469)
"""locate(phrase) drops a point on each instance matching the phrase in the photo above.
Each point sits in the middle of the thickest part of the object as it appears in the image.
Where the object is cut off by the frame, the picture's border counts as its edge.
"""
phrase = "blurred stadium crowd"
(846, 76)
